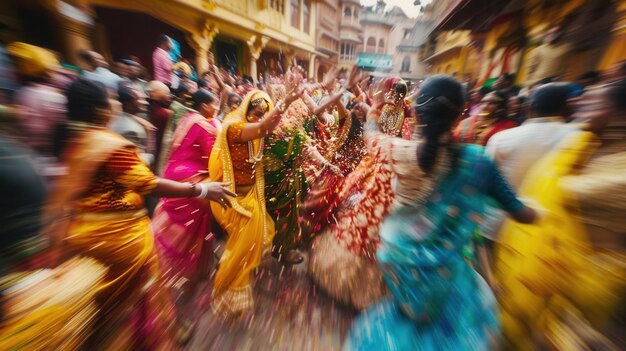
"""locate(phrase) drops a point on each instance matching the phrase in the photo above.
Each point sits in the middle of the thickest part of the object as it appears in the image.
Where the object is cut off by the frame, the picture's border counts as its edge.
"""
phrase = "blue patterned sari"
(438, 301)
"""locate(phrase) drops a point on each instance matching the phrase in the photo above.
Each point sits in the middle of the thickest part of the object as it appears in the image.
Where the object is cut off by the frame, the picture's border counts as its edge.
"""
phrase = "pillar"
(256, 44)
(201, 42)
(77, 26)
(312, 66)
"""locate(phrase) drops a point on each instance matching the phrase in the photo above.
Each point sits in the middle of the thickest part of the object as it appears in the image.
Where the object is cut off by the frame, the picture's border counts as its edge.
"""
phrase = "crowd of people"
(450, 217)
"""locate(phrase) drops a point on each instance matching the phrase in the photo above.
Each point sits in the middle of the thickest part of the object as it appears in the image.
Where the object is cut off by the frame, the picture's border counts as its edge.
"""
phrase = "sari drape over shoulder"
(249, 227)
(104, 190)
(182, 226)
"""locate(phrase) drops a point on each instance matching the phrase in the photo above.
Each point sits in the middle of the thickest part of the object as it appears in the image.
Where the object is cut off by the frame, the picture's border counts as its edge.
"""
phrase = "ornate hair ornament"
(259, 102)
(442, 100)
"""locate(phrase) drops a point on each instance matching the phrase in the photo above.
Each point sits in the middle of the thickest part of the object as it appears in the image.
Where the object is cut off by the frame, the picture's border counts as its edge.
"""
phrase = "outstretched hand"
(293, 78)
(219, 193)
(330, 78)
(355, 76)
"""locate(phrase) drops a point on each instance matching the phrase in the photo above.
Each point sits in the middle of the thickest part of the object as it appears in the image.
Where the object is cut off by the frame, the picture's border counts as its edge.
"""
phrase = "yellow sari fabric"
(249, 227)
(121, 239)
(549, 268)
(50, 309)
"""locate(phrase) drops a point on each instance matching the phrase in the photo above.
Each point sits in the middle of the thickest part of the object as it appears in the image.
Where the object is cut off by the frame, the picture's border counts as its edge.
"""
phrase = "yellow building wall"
(616, 50)
(451, 53)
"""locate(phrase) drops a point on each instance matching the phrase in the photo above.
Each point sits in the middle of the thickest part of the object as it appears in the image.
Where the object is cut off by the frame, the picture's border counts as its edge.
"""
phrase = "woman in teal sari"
(437, 302)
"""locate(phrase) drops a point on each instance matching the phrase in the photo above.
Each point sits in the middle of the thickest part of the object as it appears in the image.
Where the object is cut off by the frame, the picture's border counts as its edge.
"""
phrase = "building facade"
(328, 40)
(350, 33)
(384, 41)
(251, 37)
(531, 39)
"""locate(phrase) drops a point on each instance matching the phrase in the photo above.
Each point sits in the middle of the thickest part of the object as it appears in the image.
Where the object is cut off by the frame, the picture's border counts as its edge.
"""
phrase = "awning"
(444, 52)
(471, 14)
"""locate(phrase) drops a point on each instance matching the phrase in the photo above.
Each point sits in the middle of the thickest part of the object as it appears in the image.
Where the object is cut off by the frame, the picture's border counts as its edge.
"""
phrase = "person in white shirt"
(516, 150)
(100, 70)
(135, 129)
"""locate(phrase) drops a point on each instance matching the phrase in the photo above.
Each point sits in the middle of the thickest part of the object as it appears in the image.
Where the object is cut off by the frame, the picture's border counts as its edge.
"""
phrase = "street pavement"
(290, 314)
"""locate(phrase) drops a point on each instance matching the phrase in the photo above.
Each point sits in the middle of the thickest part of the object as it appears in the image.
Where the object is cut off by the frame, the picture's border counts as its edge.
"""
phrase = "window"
(356, 13)
(347, 12)
(278, 5)
(295, 13)
(371, 44)
(406, 64)
(306, 5)
(381, 46)
(347, 52)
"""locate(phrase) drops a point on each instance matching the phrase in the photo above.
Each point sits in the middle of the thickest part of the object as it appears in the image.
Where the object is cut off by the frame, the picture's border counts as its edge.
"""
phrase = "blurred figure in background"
(136, 80)
(99, 70)
(162, 62)
(41, 106)
(474, 103)
(478, 129)
(134, 128)
(179, 107)
(233, 100)
(506, 84)
(159, 111)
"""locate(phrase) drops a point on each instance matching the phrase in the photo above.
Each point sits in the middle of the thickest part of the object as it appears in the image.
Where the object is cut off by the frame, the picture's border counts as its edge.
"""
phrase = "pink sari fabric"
(182, 227)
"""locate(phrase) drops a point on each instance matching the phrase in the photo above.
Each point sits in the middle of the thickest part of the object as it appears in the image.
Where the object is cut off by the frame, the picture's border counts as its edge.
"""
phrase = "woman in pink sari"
(182, 227)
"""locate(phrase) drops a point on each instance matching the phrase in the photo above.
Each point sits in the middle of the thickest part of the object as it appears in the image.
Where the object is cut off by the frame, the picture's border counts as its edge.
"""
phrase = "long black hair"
(438, 106)
(84, 98)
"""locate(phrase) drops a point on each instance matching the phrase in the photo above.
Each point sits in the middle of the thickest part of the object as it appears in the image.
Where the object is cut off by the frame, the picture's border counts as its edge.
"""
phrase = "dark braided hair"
(438, 107)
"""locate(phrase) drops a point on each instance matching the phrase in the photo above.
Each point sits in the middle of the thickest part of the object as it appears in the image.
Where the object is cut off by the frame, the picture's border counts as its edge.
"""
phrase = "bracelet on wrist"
(204, 190)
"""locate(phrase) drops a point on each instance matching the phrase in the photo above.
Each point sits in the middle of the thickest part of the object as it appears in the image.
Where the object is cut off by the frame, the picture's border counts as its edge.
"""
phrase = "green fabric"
(285, 185)
(489, 83)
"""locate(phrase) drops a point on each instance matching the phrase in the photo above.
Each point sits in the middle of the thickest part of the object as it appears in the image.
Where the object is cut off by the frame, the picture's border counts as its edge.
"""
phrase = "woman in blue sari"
(437, 302)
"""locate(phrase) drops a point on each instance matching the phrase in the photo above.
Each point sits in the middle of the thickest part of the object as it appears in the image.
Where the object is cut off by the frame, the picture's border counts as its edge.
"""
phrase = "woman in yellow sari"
(103, 194)
(563, 280)
(236, 159)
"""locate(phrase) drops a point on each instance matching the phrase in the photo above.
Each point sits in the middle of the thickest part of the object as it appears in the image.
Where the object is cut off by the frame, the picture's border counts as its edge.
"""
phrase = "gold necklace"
(392, 118)
(259, 156)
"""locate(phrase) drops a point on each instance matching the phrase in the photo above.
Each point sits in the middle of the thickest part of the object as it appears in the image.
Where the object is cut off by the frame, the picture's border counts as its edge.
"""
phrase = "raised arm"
(328, 103)
(270, 120)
